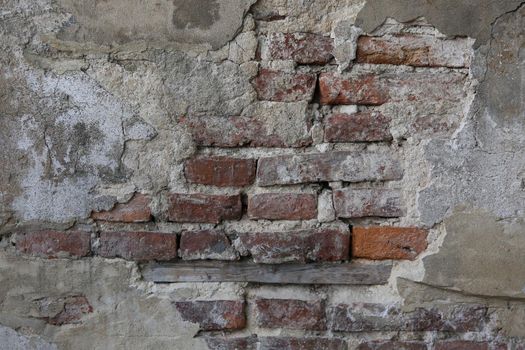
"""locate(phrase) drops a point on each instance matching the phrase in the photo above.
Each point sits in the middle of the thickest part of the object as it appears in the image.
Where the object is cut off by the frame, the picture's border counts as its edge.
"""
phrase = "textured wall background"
(298, 174)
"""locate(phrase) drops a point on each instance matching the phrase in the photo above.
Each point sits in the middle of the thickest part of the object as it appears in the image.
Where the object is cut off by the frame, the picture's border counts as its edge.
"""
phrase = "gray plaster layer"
(484, 164)
(479, 255)
(12, 340)
(123, 315)
(210, 22)
(471, 18)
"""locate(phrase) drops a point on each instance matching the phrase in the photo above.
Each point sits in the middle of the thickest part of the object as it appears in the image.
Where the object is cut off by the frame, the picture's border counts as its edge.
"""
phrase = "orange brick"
(385, 242)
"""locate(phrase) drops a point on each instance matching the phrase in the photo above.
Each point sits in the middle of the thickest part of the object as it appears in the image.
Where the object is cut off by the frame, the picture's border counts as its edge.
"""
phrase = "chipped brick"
(282, 206)
(204, 208)
(139, 246)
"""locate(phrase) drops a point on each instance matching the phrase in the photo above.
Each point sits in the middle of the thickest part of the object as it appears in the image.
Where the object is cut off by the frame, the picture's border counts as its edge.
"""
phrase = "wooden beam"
(353, 273)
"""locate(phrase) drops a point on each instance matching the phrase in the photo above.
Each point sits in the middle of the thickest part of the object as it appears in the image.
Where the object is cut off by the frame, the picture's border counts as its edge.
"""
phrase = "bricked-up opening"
(269, 177)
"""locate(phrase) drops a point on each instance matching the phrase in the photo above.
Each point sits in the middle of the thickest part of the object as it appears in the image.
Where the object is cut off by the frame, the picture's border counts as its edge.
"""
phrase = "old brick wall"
(262, 175)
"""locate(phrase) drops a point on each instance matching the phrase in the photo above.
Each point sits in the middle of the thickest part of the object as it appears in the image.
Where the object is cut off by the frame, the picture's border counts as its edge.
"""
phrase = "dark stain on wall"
(190, 14)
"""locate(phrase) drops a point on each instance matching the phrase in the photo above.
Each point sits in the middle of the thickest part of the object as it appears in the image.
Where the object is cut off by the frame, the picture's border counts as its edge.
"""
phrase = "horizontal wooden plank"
(353, 273)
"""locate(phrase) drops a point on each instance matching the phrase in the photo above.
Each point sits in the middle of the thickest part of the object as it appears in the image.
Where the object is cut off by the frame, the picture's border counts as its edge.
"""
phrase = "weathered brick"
(139, 246)
(333, 166)
(220, 171)
(238, 343)
(357, 127)
(71, 309)
(303, 48)
(213, 315)
(204, 208)
(386, 242)
(290, 314)
(368, 317)
(414, 50)
(206, 244)
(272, 85)
(366, 202)
(282, 206)
(55, 244)
(461, 345)
(349, 90)
(295, 246)
(311, 343)
(240, 131)
(392, 345)
(135, 210)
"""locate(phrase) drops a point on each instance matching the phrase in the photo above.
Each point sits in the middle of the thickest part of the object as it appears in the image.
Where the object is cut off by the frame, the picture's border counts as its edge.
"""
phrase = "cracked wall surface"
(271, 174)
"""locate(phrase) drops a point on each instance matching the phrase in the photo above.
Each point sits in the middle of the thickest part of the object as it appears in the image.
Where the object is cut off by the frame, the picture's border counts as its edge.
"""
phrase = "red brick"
(282, 206)
(272, 85)
(366, 202)
(290, 314)
(204, 208)
(386, 242)
(311, 343)
(214, 315)
(206, 244)
(461, 345)
(55, 244)
(237, 343)
(303, 48)
(73, 308)
(220, 171)
(240, 131)
(295, 246)
(362, 90)
(139, 246)
(392, 345)
(357, 127)
(414, 50)
(332, 166)
(136, 210)
(369, 317)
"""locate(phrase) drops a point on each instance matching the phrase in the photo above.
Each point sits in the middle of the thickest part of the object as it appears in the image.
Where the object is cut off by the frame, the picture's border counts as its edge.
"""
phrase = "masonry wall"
(263, 174)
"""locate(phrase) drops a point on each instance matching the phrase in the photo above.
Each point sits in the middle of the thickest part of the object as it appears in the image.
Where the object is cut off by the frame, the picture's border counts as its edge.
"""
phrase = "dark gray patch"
(190, 14)
(471, 18)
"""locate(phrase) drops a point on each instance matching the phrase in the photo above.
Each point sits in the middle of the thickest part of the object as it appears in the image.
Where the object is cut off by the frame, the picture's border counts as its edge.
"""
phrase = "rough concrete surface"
(96, 103)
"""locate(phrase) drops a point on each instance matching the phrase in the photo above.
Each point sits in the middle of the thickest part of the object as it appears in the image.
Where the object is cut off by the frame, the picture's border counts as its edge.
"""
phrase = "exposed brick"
(204, 208)
(366, 202)
(135, 210)
(206, 244)
(72, 309)
(386, 242)
(303, 48)
(357, 127)
(290, 343)
(290, 314)
(362, 90)
(333, 166)
(239, 131)
(414, 50)
(392, 345)
(461, 345)
(220, 171)
(295, 246)
(214, 315)
(282, 206)
(367, 317)
(55, 244)
(238, 343)
(139, 246)
(272, 85)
